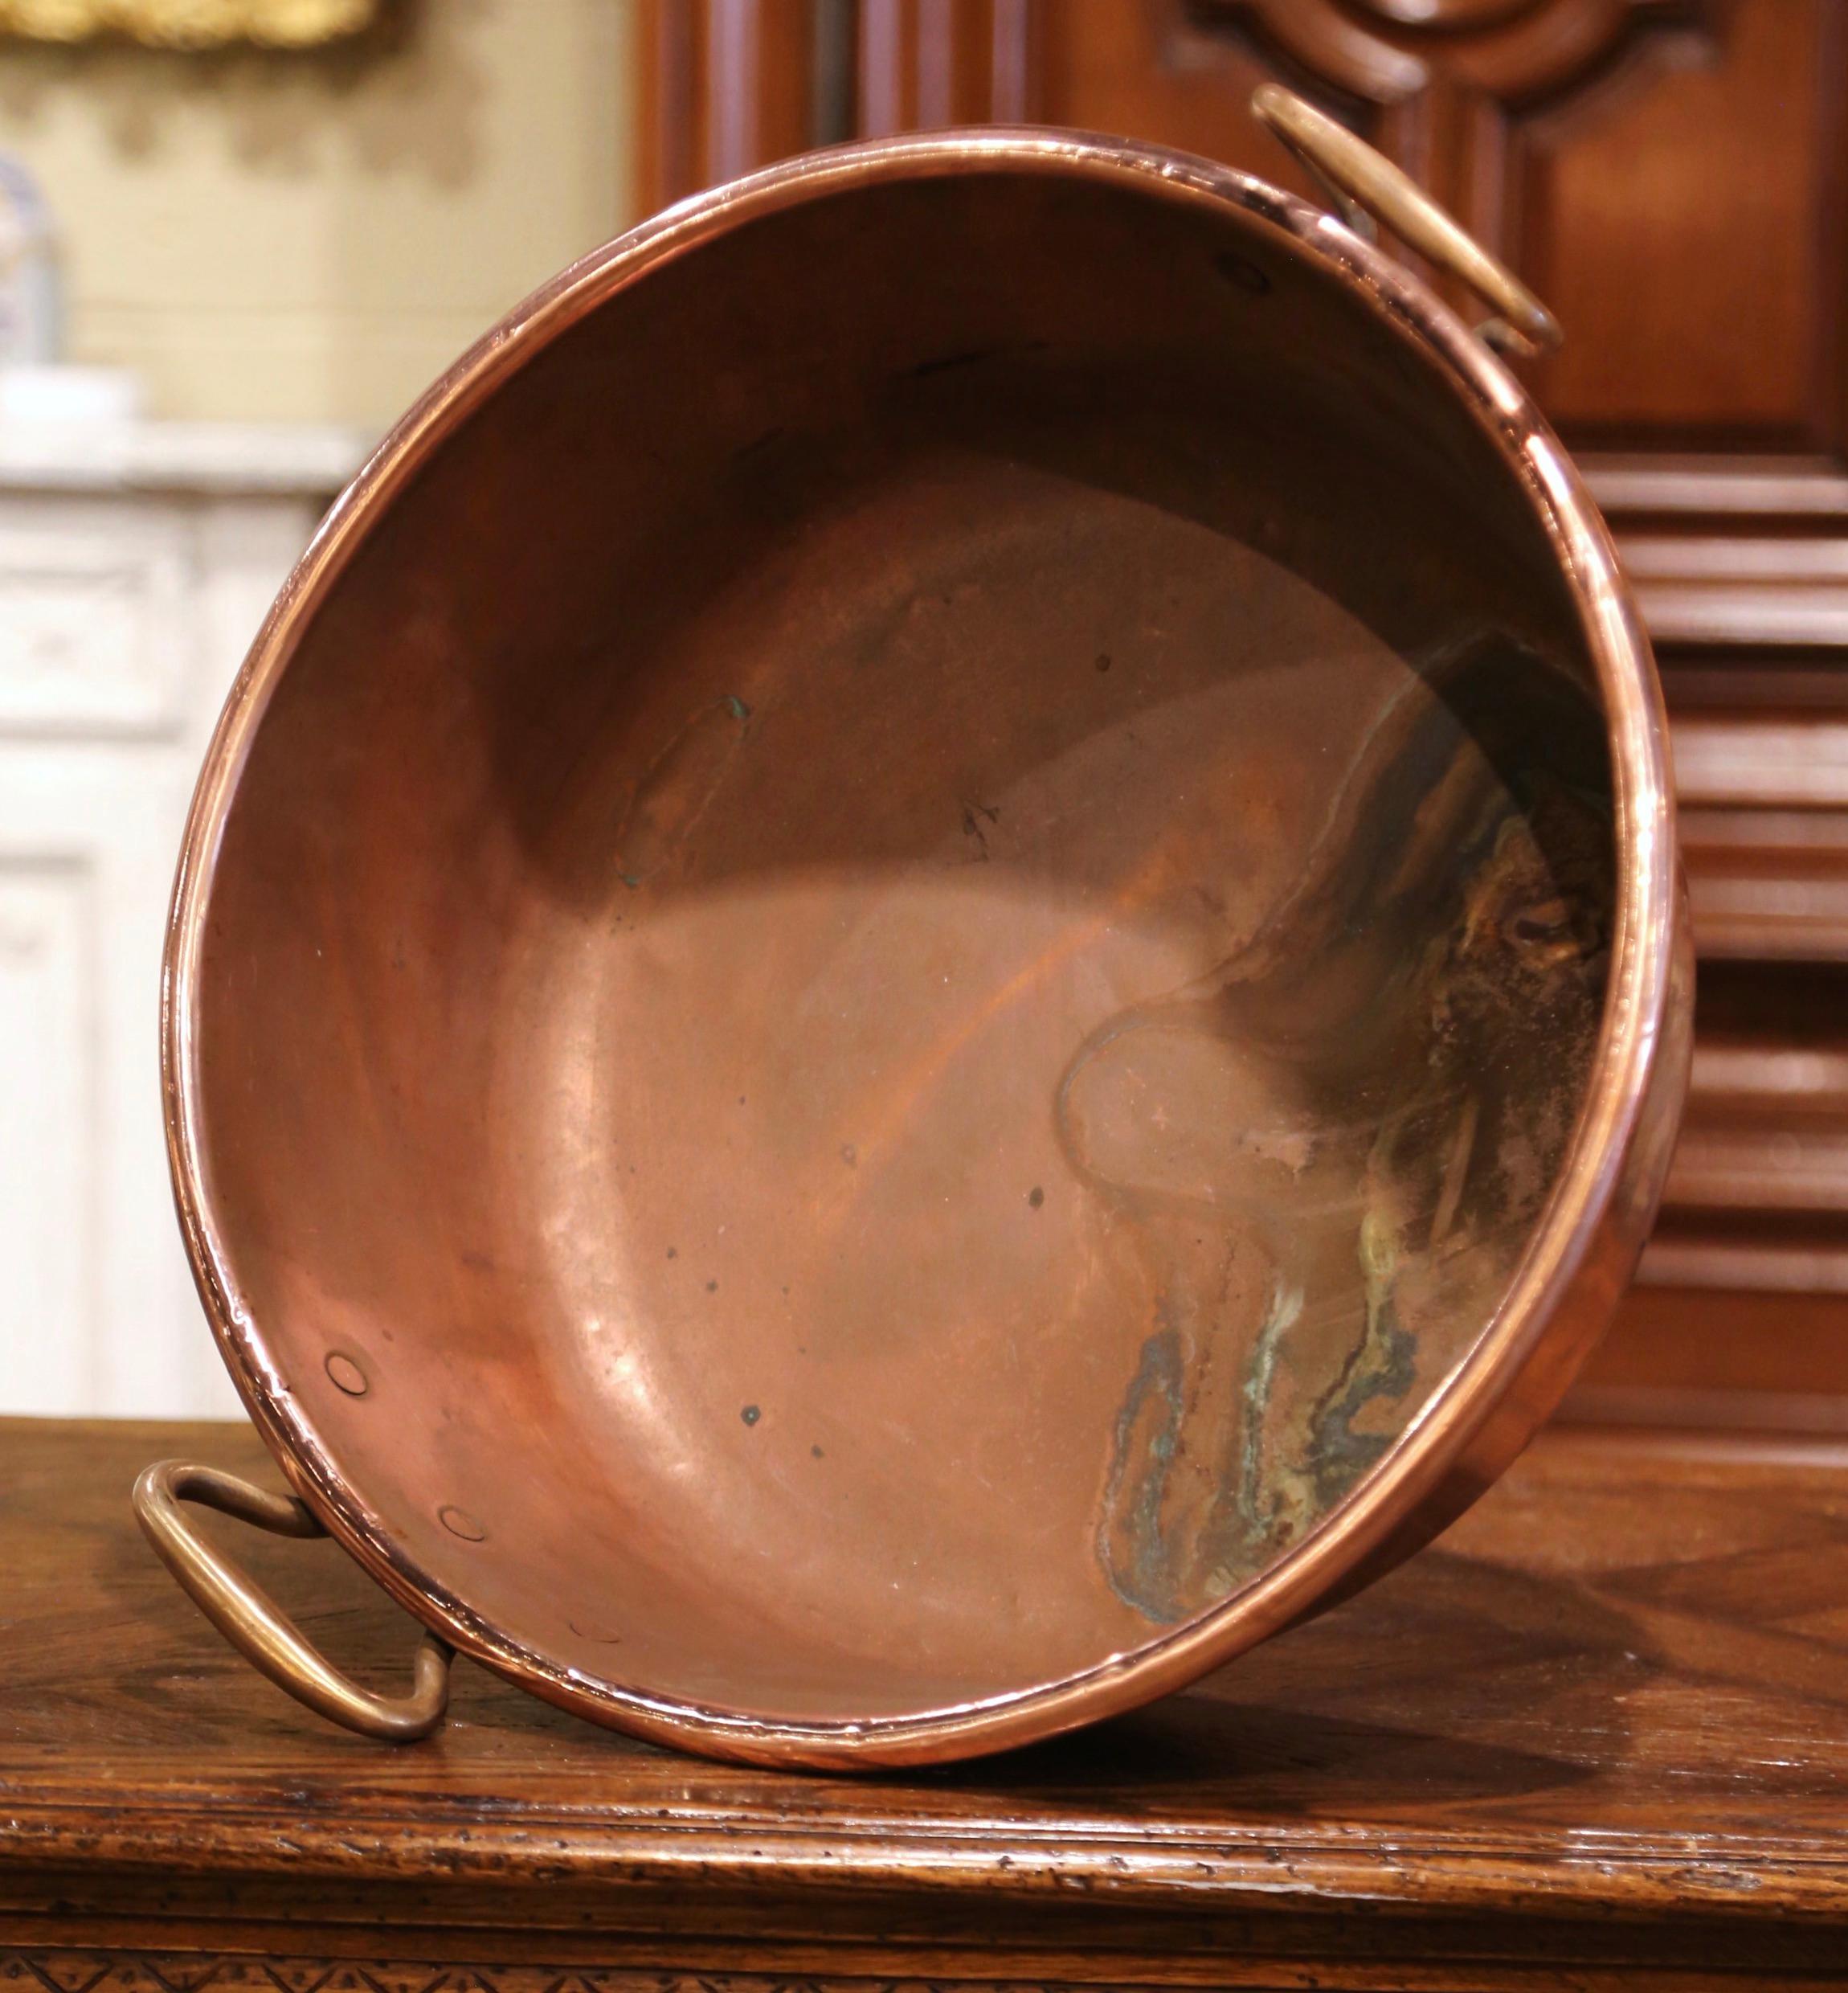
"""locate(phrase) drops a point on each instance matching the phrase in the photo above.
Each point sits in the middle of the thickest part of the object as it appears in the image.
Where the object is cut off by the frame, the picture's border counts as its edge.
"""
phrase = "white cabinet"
(135, 565)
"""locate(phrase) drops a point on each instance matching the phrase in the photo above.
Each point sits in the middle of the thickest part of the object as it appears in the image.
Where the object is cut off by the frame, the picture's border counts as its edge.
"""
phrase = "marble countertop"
(206, 458)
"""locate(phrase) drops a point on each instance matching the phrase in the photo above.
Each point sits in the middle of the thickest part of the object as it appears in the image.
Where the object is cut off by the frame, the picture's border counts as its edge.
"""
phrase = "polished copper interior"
(899, 960)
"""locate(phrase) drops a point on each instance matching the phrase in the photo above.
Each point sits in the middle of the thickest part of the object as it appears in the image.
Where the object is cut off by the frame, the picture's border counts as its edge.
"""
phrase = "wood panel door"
(1672, 177)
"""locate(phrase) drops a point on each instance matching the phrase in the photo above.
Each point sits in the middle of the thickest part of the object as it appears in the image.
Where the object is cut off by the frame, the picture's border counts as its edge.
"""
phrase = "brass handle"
(1363, 183)
(252, 1621)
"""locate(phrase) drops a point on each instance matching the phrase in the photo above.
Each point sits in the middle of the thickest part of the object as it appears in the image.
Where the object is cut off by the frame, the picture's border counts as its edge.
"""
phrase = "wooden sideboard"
(1672, 177)
(1598, 1737)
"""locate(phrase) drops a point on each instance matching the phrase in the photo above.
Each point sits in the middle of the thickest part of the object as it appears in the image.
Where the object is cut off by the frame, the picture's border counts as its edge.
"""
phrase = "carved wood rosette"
(1444, 86)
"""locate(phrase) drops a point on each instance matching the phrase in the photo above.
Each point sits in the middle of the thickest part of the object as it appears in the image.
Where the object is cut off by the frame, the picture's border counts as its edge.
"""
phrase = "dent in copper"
(907, 936)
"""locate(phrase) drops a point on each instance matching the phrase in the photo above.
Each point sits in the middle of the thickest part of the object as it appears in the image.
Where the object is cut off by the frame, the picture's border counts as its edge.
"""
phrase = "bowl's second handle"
(1364, 183)
(251, 1621)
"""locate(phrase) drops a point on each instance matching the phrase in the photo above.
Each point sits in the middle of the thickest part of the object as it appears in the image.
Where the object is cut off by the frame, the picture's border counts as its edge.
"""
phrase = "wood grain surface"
(1599, 1730)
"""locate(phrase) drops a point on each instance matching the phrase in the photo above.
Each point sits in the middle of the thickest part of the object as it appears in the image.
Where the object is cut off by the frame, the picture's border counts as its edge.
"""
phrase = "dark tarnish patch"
(1409, 1031)
(757, 445)
(1242, 273)
(1129, 1541)
(949, 362)
(671, 798)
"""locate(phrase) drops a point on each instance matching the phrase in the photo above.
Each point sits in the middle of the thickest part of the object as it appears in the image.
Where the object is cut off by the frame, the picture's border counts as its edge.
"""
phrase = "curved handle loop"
(1365, 184)
(252, 1621)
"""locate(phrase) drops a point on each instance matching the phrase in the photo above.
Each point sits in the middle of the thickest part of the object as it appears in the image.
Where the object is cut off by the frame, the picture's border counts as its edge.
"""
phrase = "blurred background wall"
(264, 254)
(310, 235)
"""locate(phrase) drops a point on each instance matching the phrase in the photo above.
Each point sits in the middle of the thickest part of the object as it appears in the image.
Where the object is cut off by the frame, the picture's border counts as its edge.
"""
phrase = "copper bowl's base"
(903, 964)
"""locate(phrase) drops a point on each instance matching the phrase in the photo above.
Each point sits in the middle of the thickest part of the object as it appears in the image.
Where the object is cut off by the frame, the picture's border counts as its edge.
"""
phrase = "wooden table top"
(1604, 1722)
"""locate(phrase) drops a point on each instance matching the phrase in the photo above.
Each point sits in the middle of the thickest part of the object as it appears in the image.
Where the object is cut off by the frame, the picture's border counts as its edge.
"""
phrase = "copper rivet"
(345, 1372)
(459, 1523)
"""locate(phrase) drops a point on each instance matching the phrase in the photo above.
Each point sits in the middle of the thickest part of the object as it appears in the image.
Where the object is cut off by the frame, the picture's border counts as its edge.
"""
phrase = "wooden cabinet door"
(1671, 176)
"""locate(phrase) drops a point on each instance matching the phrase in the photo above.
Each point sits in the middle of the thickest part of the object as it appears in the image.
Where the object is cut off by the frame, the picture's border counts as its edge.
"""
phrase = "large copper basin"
(930, 966)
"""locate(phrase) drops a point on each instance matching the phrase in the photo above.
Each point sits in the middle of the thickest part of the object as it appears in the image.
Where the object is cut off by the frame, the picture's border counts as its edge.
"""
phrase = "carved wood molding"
(925, 64)
(731, 85)
(725, 88)
(1740, 568)
(1750, 618)
(1759, 1190)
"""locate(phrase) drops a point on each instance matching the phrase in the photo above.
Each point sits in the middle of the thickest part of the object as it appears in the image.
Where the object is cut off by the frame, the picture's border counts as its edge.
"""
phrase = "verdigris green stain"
(1381, 1367)
(1131, 1545)
(1257, 1501)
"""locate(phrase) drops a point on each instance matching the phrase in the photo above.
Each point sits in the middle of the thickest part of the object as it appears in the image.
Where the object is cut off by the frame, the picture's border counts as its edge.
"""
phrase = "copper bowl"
(931, 965)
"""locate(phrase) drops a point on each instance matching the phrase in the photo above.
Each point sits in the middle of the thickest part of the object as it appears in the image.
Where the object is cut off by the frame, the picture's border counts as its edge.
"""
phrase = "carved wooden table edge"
(1445, 1783)
(738, 1853)
(1201, 1898)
